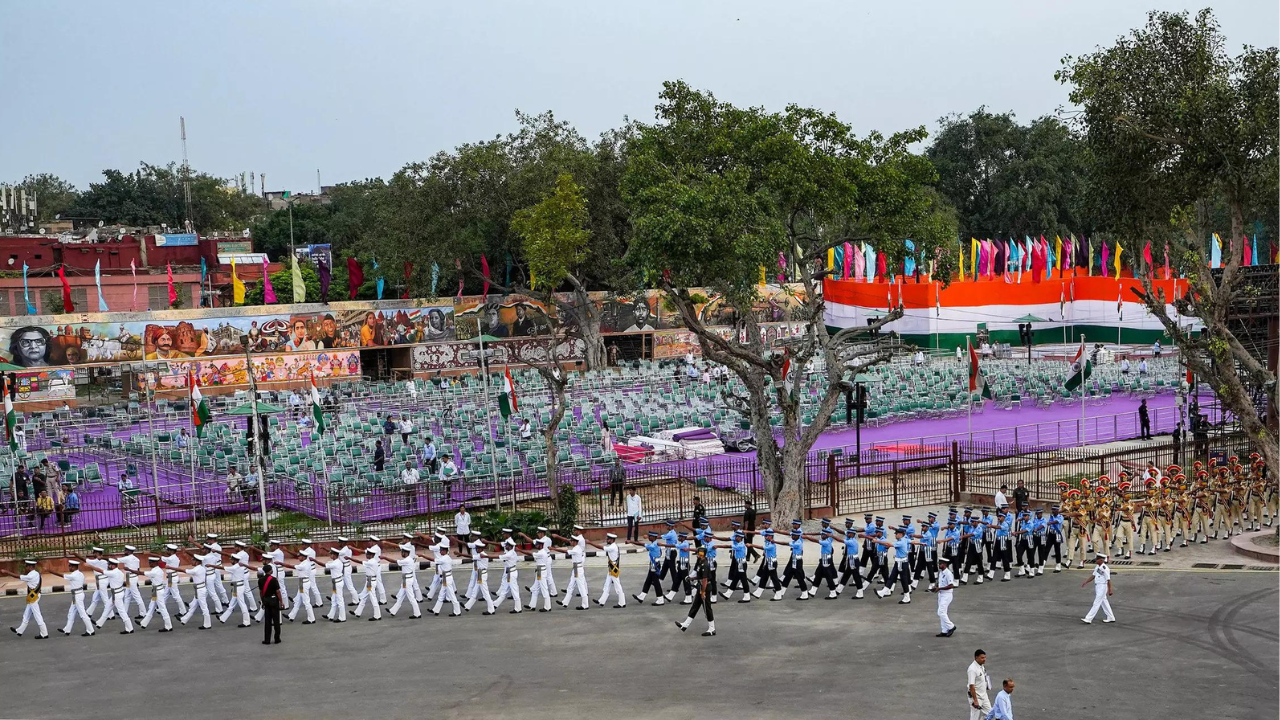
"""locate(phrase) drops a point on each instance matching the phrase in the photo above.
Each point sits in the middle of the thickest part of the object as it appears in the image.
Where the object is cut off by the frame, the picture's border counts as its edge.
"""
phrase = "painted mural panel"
(222, 372)
(499, 316)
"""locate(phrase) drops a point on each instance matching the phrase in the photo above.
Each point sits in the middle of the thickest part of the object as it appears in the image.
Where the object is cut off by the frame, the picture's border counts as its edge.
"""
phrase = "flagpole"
(195, 516)
(1083, 360)
(324, 465)
(969, 346)
(254, 434)
(488, 410)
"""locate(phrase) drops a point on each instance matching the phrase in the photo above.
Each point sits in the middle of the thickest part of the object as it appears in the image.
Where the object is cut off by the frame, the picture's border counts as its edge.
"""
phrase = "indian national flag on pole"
(976, 378)
(1081, 369)
(789, 385)
(10, 418)
(317, 412)
(507, 399)
(200, 414)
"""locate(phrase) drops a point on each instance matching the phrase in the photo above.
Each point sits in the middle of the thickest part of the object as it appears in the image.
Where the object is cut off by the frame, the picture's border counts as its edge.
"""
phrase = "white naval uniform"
(159, 598)
(275, 556)
(238, 576)
(171, 563)
(377, 580)
(132, 593)
(578, 579)
(242, 559)
(348, 581)
(408, 585)
(510, 578)
(448, 590)
(213, 561)
(75, 586)
(115, 585)
(613, 577)
(32, 609)
(945, 578)
(479, 579)
(306, 572)
(477, 553)
(372, 569)
(337, 594)
(1101, 576)
(199, 575)
(548, 575)
(101, 589)
(541, 571)
(440, 548)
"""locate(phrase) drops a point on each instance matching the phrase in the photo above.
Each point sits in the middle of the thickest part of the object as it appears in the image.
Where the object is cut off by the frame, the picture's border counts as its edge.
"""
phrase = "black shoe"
(709, 633)
(619, 607)
(682, 627)
(245, 625)
(952, 631)
(166, 629)
(126, 632)
(486, 612)
(942, 635)
(266, 642)
(372, 619)
(308, 622)
(83, 634)
(513, 612)
(544, 609)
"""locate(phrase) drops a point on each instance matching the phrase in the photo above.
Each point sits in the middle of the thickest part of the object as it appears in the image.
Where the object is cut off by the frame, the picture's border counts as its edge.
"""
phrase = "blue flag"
(1255, 251)
(435, 277)
(97, 280)
(381, 283)
(26, 292)
(909, 265)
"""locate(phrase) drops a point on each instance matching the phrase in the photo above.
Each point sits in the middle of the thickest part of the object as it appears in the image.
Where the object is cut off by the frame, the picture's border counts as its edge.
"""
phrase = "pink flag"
(782, 269)
(484, 270)
(1106, 253)
(1166, 261)
(134, 270)
(990, 247)
(173, 295)
(848, 260)
(1146, 257)
(859, 264)
(881, 268)
(268, 292)
(1248, 253)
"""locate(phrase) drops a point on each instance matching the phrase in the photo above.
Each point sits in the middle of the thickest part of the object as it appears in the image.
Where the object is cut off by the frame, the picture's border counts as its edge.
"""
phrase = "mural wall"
(172, 375)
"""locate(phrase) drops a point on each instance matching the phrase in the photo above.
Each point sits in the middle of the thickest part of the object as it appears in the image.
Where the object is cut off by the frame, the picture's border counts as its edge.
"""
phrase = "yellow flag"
(961, 263)
(299, 287)
(1057, 254)
(1118, 251)
(762, 278)
(237, 287)
(831, 258)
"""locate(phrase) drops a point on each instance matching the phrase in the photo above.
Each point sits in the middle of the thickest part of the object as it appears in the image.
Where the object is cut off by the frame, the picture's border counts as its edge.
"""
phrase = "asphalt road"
(1187, 644)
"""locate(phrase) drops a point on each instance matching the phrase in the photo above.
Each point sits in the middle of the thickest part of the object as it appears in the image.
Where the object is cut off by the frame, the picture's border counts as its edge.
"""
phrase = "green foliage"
(153, 195)
(53, 194)
(1006, 179)
(717, 191)
(521, 521)
(566, 508)
(1171, 119)
(282, 283)
(555, 239)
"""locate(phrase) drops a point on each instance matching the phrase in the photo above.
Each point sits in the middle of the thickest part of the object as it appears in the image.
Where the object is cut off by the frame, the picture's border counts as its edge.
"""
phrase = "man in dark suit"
(269, 591)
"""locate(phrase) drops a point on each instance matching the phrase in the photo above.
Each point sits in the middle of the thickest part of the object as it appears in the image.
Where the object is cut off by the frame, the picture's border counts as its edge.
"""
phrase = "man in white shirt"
(98, 562)
(978, 686)
(238, 575)
(479, 585)
(275, 556)
(75, 585)
(159, 595)
(946, 587)
(510, 575)
(132, 566)
(634, 511)
(1001, 500)
(305, 571)
(345, 553)
(1101, 591)
(1002, 709)
(541, 570)
(213, 562)
(1124, 366)
(462, 525)
(406, 428)
(578, 578)
(172, 563)
(440, 547)
(199, 575)
(448, 590)
(115, 584)
(526, 430)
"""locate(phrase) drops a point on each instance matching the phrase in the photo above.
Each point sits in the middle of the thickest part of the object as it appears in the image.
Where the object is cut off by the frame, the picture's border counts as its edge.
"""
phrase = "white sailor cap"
(406, 547)
(306, 541)
(335, 551)
(171, 547)
(273, 542)
(578, 527)
(112, 561)
(611, 536)
(475, 532)
(129, 548)
(371, 551)
(73, 563)
(308, 552)
(240, 544)
(1103, 556)
(342, 538)
(153, 559)
(541, 529)
(407, 536)
(442, 534)
(30, 562)
(374, 538)
(97, 549)
(507, 530)
(212, 536)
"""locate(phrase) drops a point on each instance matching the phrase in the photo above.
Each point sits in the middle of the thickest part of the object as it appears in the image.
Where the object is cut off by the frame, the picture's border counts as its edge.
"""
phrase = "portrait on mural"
(506, 317)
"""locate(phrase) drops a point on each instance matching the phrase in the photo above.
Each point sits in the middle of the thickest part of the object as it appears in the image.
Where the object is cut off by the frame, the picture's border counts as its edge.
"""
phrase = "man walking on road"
(1101, 591)
(269, 591)
(946, 587)
(1003, 707)
(979, 684)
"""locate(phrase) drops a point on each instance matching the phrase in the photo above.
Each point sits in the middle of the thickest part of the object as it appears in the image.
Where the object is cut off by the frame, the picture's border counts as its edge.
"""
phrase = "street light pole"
(253, 432)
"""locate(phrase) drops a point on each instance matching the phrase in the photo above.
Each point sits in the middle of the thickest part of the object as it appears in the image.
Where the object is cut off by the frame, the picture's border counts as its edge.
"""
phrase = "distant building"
(277, 200)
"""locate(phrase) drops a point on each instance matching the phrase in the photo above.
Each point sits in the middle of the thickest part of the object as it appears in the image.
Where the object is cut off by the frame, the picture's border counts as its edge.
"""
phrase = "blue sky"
(358, 89)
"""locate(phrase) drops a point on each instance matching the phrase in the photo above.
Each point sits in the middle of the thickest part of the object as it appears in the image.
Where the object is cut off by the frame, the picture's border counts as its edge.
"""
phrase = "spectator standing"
(978, 686)
(406, 428)
(21, 489)
(1002, 501)
(635, 511)
(526, 432)
(1144, 420)
(699, 511)
(70, 506)
(429, 461)
(379, 456)
(389, 425)
(462, 525)
(1021, 497)
(183, 439)
(44, 507)
(749, 526)
(617, 482)
(409, 477)
(1155, 349)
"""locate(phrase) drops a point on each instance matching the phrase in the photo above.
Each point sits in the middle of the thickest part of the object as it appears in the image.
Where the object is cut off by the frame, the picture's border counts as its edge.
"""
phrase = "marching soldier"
(1126, 521)
(408, 566)
(75, 585)
(702, 600)
(612, 578)
(31, 611)
(510, 586)
(159, 594)
(653, 579)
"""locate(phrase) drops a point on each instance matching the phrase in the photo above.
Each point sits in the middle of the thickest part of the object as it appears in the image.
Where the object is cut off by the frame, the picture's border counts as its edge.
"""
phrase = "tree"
(53, 194)
(154, 195)
(1176, 126)
(1010, 179)
(282, 283)
(718, 192)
